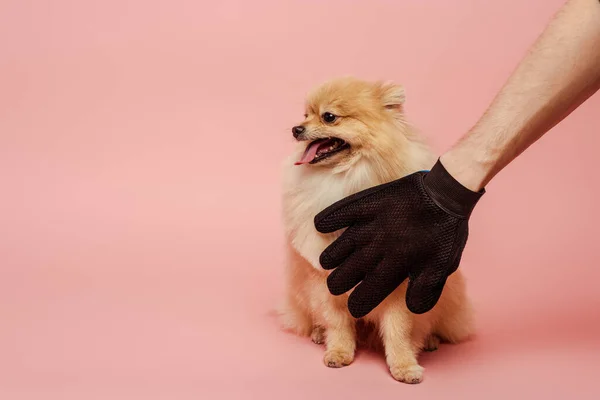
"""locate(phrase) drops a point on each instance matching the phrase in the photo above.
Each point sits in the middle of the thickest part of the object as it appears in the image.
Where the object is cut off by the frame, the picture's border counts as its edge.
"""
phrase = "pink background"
(140, 244)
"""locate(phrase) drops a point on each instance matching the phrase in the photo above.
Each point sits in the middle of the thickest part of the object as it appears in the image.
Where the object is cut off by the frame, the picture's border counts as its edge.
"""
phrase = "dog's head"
(346, 119)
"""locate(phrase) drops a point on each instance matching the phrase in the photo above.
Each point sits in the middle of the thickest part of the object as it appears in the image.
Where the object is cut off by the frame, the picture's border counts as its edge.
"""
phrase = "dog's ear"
(392, 95)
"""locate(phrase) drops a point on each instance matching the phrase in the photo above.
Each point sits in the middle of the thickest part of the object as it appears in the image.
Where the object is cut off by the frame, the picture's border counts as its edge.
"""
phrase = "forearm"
(560, 72)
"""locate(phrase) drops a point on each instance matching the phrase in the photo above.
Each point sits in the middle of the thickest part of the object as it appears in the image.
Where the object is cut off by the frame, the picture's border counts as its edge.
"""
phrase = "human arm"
(559, 73)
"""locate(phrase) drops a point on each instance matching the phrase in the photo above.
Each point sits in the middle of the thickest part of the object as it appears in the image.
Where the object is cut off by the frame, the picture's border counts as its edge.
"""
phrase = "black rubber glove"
(415, 227)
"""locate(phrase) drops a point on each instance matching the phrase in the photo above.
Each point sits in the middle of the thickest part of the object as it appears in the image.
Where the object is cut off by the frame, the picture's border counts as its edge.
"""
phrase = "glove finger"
(338, 251)
(425, 290)
(339, 216)
(348, 210)
(355, 207)
(349, 273)
(375, 288)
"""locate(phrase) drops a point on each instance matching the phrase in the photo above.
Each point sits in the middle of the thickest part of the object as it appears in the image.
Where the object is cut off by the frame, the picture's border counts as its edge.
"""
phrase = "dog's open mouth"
(320, 149)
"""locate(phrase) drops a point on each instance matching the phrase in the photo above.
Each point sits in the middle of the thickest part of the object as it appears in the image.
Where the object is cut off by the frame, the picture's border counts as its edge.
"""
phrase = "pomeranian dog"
(354, 136)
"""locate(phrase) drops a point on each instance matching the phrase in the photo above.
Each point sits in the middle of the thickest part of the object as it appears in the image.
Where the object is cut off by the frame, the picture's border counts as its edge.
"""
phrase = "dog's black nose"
(298, 130)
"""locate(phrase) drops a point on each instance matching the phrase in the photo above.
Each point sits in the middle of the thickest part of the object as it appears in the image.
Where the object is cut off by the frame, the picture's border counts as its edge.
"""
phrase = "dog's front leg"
(340, 334)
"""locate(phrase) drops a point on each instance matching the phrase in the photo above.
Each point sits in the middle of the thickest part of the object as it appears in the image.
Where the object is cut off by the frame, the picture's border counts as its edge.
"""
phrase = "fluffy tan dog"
(354, 136)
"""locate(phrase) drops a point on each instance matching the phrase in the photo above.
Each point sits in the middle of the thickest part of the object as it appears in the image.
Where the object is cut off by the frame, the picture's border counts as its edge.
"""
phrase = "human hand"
(415, 227)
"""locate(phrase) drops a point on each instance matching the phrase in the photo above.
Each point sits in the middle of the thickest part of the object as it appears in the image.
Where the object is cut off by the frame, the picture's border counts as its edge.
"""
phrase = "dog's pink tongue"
(309, 153)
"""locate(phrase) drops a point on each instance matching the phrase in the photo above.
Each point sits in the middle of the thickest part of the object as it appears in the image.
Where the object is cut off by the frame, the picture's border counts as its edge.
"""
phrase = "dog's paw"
(338, 358)
(432, 343)
(318, 335)
(408, 374)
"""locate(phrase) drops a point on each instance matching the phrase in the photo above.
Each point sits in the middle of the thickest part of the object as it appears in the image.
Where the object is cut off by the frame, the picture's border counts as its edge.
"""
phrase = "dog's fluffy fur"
(382, 147)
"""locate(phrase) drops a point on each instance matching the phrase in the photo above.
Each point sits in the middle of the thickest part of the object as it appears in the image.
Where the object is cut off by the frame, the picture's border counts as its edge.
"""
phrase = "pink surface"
(140, 245)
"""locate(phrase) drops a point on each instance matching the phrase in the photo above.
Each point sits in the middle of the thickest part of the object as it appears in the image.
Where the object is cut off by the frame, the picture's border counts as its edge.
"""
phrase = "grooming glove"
(415, 227)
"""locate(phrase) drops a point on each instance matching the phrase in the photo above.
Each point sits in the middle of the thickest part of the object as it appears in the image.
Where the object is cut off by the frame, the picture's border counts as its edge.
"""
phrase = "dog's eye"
(305, 115)
(329, 117)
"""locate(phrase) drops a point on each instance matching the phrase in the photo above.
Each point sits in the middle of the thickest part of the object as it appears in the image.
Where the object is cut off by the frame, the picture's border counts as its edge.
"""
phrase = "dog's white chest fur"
(309, 190)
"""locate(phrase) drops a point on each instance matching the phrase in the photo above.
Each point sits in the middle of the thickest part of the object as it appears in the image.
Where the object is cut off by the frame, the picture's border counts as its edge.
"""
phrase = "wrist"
(450, 194)
(469, 165)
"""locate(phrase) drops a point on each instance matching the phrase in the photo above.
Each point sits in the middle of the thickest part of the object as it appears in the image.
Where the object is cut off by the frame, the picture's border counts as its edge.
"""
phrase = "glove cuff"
(450, 194)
